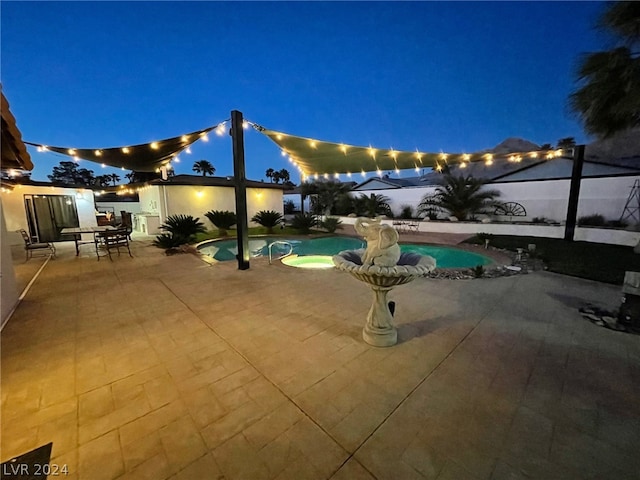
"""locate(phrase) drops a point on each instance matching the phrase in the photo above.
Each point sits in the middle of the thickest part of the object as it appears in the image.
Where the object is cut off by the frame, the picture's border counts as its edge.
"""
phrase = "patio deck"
(168, 368)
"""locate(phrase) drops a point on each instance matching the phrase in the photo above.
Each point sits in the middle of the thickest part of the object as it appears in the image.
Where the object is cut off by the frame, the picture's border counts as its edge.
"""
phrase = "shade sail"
(317, 157)
(145, 157)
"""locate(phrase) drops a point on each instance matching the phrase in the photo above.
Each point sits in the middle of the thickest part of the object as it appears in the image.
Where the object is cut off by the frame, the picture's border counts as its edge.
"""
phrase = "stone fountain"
(381, 266)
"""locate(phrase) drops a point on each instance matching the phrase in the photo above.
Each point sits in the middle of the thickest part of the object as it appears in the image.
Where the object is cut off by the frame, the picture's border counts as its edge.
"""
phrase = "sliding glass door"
(47, 215)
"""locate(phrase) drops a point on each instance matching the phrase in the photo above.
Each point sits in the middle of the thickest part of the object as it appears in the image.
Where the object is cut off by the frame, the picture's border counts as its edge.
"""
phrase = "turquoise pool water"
(446, 257)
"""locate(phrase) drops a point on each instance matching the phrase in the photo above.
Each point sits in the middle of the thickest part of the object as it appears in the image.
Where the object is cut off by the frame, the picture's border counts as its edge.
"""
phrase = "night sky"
(450, 76)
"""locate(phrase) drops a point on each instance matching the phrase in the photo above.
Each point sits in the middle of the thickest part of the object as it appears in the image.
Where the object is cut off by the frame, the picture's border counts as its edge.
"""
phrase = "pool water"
(446, 257)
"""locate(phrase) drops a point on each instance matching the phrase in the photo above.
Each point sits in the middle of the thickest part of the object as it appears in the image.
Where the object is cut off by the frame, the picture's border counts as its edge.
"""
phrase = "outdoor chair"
(126, 223)
(30, 246)
(111, 240)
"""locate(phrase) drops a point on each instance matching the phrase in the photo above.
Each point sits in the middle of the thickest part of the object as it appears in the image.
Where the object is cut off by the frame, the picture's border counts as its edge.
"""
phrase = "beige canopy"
(317, 157)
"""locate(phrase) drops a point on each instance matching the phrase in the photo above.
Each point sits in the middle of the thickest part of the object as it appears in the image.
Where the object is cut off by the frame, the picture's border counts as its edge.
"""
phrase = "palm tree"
(460, 196)
(373, 205)
(608, 98)
(268, 219)
(269, 174)
(114, 177)
(204, 167)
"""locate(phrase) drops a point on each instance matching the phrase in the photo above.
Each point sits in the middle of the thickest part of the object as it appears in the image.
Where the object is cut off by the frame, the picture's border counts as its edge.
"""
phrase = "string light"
(343, 147)
(125, 150)
(245, 124)
(188, 150)
(98, 153)
(220, 129)
(71, 151)
(204, 137)
(154, 145)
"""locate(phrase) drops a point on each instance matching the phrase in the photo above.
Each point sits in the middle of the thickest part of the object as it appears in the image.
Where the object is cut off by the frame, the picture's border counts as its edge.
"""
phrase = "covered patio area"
(170, 368)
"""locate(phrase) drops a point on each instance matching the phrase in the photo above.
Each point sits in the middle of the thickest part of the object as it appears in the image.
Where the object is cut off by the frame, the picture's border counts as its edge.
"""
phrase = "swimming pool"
(446, 257)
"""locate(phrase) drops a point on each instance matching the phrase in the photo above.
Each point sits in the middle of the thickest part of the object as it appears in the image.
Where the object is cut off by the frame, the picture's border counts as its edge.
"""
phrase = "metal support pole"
(574, 192)
(240, 183)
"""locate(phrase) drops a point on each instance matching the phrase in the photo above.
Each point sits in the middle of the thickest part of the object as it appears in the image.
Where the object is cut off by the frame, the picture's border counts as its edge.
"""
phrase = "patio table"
(78, 231)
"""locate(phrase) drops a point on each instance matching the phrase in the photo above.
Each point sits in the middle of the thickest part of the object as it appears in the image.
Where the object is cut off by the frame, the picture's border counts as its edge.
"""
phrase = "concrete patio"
(158, 367)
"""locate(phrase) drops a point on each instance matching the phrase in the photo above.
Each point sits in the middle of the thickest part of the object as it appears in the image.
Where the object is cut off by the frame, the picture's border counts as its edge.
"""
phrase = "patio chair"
(110, 240)
(126, 223)
(30, 246)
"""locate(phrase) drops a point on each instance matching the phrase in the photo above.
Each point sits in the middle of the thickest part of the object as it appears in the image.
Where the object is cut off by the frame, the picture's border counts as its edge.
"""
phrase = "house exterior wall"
(545, 198)
(197, 200)
(117, 207)
(8, 286)
(15, 214)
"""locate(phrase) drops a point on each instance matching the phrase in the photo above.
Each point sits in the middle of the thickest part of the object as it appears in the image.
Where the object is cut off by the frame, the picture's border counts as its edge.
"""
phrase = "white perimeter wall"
(605, 196)
(586, 234)
(197, 200)
(15, 215)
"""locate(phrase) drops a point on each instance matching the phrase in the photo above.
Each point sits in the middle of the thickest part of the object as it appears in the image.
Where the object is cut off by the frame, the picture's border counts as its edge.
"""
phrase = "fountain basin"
(379, 330)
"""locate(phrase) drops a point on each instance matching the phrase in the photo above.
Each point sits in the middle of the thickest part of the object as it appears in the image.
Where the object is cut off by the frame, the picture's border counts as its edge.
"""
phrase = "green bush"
(268, 219)
(406, 212)
(183, 226)
(478, 271)
(618, 223)
(595, 220)
(222, 220)
(167, 240)
(331, 224)
(303, 222)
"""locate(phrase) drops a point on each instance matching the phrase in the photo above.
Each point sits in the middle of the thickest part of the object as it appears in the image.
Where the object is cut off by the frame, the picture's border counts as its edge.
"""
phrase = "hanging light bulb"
(349, 174)
(204, 137)
(245, 124)
(220, 129)
(188, 150)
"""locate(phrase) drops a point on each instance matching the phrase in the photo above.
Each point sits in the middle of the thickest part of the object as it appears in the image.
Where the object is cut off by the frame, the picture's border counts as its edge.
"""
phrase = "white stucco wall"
(8, 286)
(197, 200)
(549, 198)
(15, 214)
(116, 207)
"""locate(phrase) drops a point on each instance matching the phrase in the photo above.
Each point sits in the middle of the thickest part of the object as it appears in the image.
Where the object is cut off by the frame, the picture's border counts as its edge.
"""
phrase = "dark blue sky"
(450, 76)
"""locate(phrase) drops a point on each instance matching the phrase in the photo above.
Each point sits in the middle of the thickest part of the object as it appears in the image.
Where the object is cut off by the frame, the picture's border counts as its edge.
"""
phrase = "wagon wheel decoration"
(512, 209)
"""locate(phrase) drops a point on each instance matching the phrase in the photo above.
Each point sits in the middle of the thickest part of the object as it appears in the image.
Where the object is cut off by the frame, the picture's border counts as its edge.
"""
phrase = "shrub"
(478, 271)
(183, 226)
(167, 240)
(595, 220)
(618, 223)
(539, 220)
(222, 220)
(304, 222)
(406, 212)
(268, 219)
(331, 224)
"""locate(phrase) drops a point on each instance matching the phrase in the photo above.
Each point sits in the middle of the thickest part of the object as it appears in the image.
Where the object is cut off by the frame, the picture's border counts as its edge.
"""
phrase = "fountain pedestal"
(379, 330)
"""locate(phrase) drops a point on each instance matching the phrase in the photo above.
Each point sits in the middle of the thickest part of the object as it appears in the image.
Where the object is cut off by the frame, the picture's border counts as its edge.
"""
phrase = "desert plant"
(268, 219)
(222, 220)
(374, 205)
(478, 271)
(185, 226)
(406, 212)
(331, 224)
(460, 196)
(168, 240)
(595, 220)
(303, 222)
